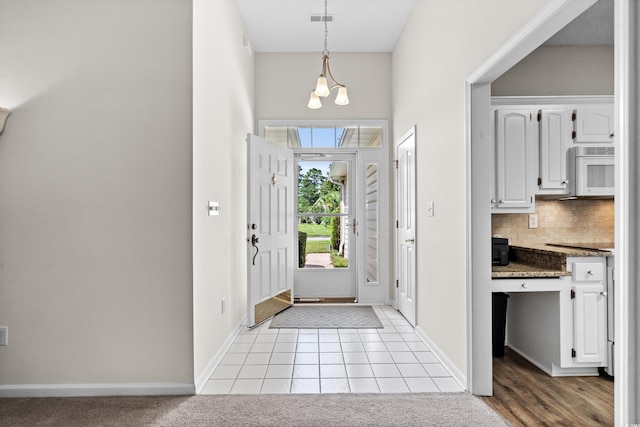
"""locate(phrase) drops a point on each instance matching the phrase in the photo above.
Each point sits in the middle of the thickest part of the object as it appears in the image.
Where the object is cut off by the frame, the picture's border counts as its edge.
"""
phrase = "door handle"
(410, 240)
(254, 242)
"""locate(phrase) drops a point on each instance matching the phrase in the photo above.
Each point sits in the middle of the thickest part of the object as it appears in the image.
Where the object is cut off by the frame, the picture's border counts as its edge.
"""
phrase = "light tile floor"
(389, 360)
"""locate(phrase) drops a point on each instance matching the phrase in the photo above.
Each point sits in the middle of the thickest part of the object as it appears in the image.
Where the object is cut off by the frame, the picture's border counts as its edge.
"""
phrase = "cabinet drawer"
(588, 271)
(528, 285)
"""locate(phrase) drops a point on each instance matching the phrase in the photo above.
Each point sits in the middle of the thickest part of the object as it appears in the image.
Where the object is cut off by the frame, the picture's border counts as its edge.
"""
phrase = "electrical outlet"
(222, 304)
(4, 335)
(533, 221)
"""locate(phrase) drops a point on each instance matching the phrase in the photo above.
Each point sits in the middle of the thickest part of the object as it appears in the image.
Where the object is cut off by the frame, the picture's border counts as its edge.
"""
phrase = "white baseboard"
(213, 363)
(457, 374)
(92, 390)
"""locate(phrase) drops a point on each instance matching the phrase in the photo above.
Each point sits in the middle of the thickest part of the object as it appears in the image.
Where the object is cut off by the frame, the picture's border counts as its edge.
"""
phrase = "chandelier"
(322, 89)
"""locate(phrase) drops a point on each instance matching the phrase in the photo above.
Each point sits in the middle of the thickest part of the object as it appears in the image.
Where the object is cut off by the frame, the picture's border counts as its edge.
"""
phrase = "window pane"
(320, 242)
(370, 136)
(321, 187)
(324, 137)
(277, 134)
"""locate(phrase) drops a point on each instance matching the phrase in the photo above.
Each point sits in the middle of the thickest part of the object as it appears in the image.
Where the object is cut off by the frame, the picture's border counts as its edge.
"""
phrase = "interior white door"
(270, 230)
(406, 226)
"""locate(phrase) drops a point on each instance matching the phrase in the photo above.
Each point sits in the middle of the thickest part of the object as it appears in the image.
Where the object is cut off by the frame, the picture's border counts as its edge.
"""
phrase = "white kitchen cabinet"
(554, 128)
(515, 161)
(584, 315)
(589, 323)
(593, 124)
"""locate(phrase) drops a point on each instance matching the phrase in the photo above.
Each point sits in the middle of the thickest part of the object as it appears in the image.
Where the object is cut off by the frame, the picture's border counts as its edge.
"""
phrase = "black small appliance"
(499, 251)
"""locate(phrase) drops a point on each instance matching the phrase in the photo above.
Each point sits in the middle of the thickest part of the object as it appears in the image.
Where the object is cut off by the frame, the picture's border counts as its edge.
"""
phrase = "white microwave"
(592, 170)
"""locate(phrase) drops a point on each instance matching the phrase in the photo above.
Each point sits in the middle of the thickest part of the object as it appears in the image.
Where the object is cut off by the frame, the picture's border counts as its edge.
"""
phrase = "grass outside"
(338, 261)
(318, 246)
(314, 230)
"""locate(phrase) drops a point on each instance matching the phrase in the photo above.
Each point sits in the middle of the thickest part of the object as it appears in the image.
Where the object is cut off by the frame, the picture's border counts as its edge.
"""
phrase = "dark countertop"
(541, 261)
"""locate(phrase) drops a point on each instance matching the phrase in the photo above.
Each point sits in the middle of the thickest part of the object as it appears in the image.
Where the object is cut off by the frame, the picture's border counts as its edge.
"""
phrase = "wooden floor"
(526, 396)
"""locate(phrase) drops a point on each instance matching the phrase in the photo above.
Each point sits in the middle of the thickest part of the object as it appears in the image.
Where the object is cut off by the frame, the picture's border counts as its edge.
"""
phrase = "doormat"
(327, 317)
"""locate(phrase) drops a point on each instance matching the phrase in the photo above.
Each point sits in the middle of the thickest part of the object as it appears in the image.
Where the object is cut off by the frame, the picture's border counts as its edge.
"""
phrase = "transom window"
(315, 137)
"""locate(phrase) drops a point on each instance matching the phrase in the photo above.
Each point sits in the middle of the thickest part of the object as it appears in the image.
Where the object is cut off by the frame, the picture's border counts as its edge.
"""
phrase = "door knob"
(410, 240)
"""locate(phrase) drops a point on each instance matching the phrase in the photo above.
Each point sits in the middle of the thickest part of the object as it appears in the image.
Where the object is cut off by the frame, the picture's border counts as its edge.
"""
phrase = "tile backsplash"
(559, 221)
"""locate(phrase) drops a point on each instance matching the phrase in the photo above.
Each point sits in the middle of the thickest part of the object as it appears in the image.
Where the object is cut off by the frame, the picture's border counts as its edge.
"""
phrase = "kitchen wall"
(559, 70)
(559, 221)
(95, 195)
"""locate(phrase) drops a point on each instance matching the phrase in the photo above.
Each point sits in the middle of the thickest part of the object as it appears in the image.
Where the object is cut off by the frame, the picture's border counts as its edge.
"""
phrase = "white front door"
(406, 226)
(270, 231)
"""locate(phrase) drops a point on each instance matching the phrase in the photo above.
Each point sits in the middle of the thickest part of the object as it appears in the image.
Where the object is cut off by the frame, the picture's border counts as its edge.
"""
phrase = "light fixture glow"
(322, 87)
(314, 101)
(342, 98)
(4, 113)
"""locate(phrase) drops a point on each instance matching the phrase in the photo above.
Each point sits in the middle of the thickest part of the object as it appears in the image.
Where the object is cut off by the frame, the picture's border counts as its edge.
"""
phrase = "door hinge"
(397, 283)
(397, 224)
(573, 116)
(395, 163)
(573, 352)
(573, 134)
(539, 181)
(539, 115)
(573, 294)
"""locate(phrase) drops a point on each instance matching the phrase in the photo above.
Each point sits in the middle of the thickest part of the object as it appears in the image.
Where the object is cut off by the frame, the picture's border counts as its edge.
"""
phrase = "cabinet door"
(589, 323)
(555, 135)
(593, 124)
(515, 152)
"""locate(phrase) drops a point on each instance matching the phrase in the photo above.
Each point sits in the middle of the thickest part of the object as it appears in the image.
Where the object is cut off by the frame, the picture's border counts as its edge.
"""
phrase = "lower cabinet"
(560, 324)
(584, 313)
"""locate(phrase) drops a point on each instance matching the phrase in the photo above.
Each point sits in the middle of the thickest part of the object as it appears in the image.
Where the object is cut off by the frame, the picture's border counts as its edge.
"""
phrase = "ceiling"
(374, 25)
(593, 27)
(358, 25)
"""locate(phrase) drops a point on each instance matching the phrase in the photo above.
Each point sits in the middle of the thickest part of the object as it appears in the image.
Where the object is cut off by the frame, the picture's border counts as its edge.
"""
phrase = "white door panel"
(270, 230)
(406, 233)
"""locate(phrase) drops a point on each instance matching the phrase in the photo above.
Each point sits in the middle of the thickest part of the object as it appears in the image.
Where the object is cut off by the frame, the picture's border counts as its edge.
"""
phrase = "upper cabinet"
(515, 160)
(593, 124)
(532, 141)
(554, 126)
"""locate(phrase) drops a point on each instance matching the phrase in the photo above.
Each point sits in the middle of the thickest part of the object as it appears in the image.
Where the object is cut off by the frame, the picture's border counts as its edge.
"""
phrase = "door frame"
(380, 292)
(554, 16)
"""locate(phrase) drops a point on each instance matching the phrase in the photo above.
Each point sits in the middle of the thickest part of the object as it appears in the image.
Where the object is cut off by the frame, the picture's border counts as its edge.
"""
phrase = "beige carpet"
(447, 409)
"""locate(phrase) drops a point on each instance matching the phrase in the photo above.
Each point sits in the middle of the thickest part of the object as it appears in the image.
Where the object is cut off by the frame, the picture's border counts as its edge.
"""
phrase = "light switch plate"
(4, 335)
(533, 221)
(430, 209)
(214, 208)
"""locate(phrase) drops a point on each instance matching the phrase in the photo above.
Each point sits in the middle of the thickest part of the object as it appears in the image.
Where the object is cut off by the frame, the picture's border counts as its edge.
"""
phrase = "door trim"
(552, 17)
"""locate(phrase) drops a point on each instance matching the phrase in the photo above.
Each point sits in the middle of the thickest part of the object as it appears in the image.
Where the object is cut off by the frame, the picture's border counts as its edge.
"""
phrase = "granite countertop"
(541, 261)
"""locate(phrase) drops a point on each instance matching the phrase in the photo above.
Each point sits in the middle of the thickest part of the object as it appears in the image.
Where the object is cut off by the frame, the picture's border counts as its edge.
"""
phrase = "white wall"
(285, 80)
(442, 43)
(223, 100)
(559, 70)
(95, 192)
